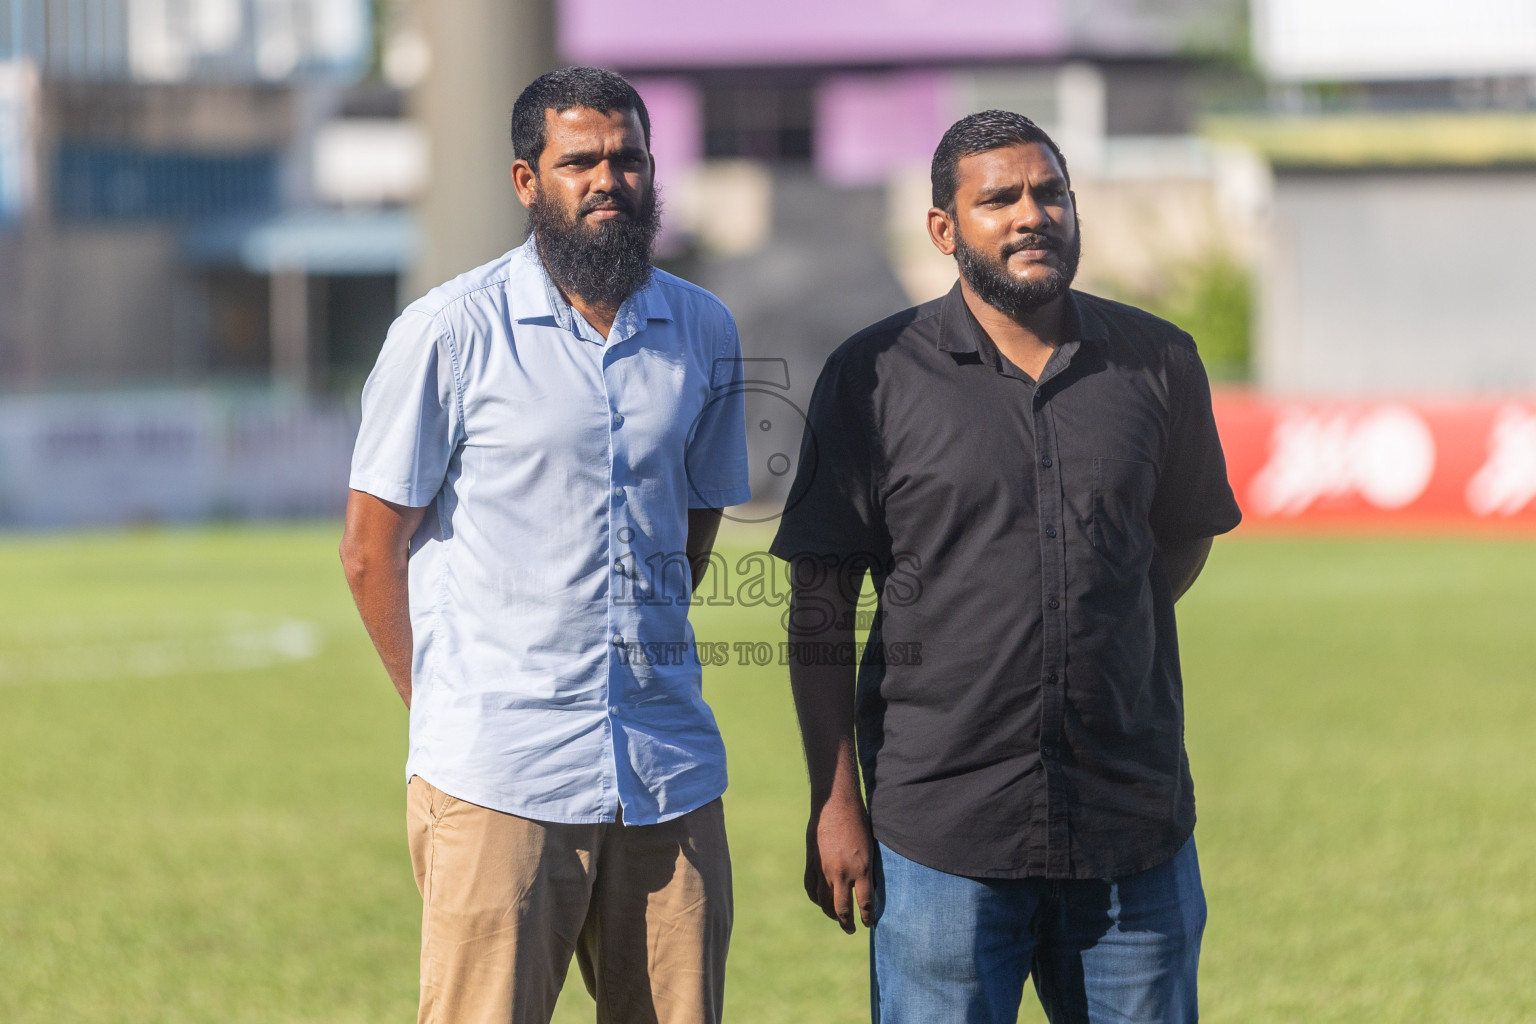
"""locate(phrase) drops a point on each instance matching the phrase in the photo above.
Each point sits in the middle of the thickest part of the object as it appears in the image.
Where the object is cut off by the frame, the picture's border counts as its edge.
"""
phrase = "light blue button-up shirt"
(553, 674)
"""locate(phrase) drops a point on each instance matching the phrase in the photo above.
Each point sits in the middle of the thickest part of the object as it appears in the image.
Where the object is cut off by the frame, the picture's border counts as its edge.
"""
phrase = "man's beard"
(604, 262)
(989, 278)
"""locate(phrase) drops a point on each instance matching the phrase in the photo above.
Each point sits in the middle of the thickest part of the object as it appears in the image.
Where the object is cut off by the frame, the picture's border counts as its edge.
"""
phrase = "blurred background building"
(211, 209)
(201, 222)
(183, 195)
(1403, 209)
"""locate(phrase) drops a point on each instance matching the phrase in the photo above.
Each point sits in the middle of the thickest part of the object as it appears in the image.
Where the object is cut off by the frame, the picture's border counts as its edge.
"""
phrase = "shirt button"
(618, 492)
(618, 567)
(1046, 462)
(618, 419)
(1048, 751)
(1053, 604)
(1050, 531)
(618, 640)
(1050, 680)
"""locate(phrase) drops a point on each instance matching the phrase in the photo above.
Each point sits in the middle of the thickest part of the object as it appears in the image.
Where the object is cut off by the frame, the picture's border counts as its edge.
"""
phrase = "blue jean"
(947, 948)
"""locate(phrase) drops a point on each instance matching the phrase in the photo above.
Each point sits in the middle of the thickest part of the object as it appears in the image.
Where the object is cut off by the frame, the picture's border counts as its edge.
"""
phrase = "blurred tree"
(1212, 299)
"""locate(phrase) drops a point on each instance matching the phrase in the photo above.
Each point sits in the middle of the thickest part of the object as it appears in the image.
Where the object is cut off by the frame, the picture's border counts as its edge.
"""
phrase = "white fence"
(171, 456)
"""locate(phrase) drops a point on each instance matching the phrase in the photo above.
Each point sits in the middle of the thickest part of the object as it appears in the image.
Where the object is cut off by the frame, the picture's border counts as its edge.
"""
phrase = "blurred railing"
(187, 40)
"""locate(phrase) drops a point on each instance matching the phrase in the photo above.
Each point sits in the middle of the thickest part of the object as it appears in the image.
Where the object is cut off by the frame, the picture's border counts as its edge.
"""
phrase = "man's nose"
(1029, 215)
(603, 177)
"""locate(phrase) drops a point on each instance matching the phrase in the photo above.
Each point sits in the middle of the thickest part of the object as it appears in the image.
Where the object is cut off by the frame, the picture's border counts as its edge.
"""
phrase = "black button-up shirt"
(1019, 705)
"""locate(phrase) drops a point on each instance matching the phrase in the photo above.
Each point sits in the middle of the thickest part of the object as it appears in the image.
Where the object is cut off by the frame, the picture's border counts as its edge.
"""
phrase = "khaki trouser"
(506, 901)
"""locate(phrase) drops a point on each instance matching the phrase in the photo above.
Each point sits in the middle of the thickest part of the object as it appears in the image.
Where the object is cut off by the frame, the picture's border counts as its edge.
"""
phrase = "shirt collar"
(537, 299)
(959, 331)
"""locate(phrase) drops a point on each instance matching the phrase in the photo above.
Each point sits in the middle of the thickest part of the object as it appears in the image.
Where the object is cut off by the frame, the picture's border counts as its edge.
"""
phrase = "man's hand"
(703, 526)
(373, 552)
(839, 861)
(839, 850)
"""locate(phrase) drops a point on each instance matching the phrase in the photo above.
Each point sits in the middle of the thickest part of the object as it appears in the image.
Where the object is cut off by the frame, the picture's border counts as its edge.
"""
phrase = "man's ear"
(941, 230)
(525, 181)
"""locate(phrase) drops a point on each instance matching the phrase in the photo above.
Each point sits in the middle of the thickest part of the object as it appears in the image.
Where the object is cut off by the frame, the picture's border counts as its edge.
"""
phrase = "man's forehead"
(1030, 161)
(586, 122)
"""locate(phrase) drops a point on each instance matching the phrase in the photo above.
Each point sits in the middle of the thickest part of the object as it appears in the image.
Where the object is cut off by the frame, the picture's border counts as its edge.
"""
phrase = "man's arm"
(1182, 561)
(373, 554)
(839, 849)
(703, 525)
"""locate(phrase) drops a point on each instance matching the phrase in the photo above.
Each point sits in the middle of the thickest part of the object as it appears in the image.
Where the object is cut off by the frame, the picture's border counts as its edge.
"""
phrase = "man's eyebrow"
(996, 191)
(595, 155)
(991, 192)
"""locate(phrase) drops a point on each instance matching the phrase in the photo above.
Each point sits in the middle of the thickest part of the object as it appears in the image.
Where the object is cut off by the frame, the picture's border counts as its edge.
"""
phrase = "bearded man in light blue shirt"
(544, 439)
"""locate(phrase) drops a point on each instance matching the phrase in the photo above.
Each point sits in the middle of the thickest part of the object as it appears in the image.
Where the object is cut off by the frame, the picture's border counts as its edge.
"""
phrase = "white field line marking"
(233, 644)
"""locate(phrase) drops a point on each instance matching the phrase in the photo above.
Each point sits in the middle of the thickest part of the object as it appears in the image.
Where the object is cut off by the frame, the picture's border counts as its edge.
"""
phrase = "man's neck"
(599, 315)
(1027, 340)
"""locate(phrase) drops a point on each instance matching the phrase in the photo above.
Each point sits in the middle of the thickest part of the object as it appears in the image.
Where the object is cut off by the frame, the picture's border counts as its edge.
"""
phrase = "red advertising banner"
(1381, 464)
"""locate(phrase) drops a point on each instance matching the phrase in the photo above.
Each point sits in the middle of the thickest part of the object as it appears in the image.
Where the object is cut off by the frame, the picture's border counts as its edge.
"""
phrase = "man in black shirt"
(1032, 476)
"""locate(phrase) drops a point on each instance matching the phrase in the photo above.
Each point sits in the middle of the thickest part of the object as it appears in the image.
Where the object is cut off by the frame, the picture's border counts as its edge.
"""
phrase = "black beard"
(989, 278)
(603, 263)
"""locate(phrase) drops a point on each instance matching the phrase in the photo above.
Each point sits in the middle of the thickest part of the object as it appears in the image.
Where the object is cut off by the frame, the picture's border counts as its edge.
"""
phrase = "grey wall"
(93, 305)
(822, 276)
(1406, 283)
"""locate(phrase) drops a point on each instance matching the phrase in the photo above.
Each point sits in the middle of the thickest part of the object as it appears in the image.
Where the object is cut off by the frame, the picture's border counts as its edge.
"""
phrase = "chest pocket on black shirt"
(1122, 502)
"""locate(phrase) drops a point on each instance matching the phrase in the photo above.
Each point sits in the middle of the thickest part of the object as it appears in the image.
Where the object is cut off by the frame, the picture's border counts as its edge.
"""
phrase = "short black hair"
(594, 88)
(980, 133)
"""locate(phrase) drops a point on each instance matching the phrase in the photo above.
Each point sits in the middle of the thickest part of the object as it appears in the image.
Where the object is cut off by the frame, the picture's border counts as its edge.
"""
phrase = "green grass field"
(201, 800)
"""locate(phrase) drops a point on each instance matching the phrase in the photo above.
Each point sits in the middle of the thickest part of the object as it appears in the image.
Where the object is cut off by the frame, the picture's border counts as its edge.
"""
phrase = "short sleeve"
(831, 508)
(1193, 499)
(412, 415)
(716, 459)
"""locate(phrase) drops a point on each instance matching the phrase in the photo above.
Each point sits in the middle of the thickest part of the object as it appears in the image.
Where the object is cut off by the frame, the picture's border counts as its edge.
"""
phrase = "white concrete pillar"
(481, 54)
